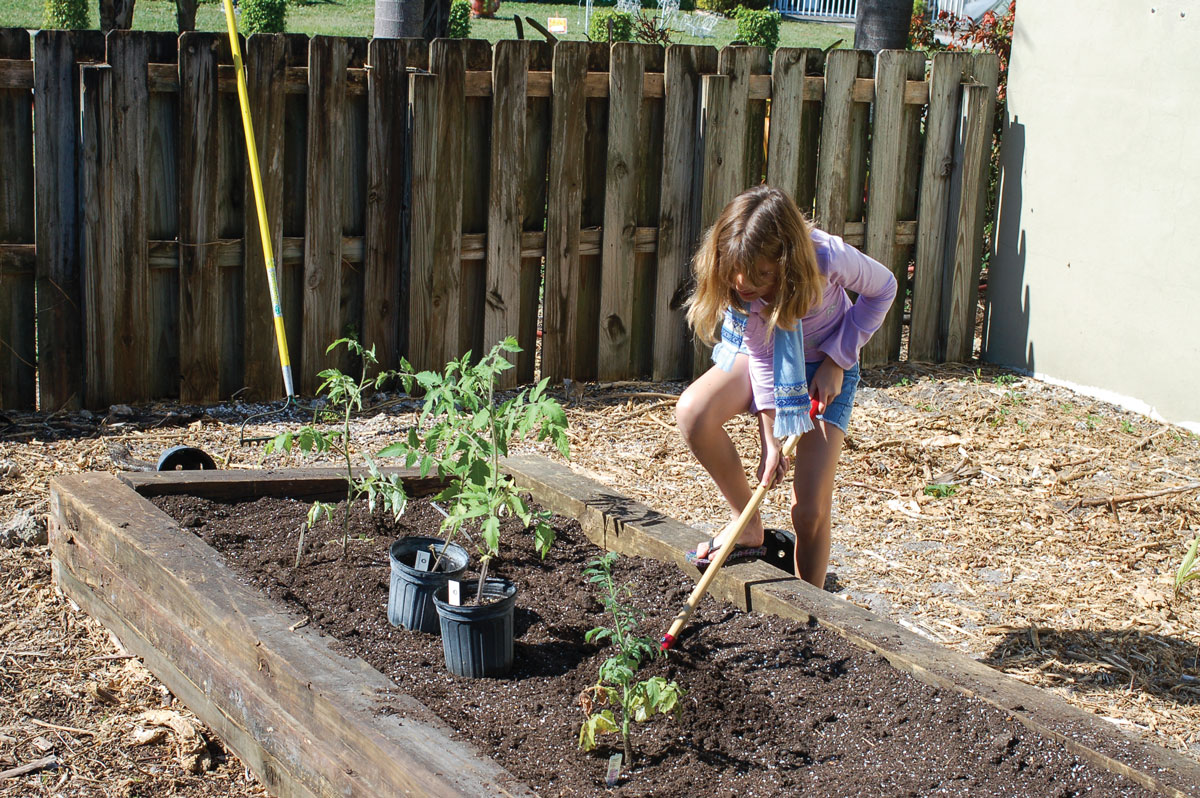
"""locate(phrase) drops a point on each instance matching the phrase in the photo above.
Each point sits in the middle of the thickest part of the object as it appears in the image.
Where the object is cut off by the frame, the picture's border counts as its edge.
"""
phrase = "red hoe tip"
(667, 642)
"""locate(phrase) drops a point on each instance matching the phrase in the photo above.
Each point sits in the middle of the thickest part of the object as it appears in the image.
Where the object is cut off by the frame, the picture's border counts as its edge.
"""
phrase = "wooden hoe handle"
(723, 553)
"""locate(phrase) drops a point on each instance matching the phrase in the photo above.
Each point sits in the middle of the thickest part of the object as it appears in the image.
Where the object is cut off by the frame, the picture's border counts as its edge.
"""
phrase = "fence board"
(387, 209)
(328, 141)
(59, 223)
(423, 91)
(201, 298)
(476, 199)
(679, 207)
(792, 139)
(118, 276)
(17, 348)
(961, 278)
(533, 191)
(568, 127)
(840, 168)
(506, 202)
(627, 165)
(448, 60)
(267, 61)
(940, 125)
(895, 125)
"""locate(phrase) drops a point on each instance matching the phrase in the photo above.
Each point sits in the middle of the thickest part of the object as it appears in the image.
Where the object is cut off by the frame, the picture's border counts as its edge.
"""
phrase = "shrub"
(264, 16)
(459, 26)
(66, 14)
(729, 7)
(622, 26)
(758, 28)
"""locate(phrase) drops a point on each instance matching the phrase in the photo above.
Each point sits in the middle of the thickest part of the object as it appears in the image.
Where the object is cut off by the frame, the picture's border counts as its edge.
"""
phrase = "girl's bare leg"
(812, 499)
(701, 413)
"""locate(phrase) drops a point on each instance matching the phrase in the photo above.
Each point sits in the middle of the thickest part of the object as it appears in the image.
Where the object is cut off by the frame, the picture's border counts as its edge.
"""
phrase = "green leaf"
(393, 450)
(490, 532)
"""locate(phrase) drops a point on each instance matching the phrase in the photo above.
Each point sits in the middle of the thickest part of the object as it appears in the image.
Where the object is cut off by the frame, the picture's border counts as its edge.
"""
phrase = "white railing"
(845, 9)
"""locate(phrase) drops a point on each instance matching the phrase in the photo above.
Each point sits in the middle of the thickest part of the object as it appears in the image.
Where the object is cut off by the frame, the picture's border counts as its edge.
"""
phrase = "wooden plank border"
(173, 601)
(160, 588)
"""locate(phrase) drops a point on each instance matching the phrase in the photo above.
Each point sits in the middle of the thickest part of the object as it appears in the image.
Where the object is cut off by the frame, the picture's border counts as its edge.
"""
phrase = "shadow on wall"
(1007, 307)
(1108, 660)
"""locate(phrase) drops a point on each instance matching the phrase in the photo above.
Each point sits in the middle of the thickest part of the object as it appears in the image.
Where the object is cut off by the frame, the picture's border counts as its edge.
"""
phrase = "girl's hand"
(773, 466)
(826, 383)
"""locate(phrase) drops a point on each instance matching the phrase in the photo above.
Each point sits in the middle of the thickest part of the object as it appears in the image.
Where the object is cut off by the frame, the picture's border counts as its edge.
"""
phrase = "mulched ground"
(772, 708)
(1053, 560)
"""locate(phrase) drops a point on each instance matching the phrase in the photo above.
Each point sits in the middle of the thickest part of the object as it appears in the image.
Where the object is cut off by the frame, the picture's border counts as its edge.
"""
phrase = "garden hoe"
(710, 573)
(263, 223)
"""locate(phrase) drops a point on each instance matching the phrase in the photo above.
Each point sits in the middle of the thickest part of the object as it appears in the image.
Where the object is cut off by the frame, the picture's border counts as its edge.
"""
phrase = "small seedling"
(467, 434)
(1092, 420)
(940, 490)
(616, 687)
(1189, 569)
(904, 382)
(1127, 427)
(1005, 379)
(345, 396)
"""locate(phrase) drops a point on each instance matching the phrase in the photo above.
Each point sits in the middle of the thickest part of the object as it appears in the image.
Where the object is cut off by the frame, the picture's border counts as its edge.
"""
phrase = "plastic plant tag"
(423, 561)
(614, 770)
(454, 593)
(556, 24)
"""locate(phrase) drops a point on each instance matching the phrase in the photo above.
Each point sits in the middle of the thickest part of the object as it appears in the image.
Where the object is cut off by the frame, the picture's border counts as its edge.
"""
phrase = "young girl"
(776, 289)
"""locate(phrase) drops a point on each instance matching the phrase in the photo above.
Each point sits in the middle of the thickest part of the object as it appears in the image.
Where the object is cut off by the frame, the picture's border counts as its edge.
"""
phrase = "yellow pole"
(259, 201)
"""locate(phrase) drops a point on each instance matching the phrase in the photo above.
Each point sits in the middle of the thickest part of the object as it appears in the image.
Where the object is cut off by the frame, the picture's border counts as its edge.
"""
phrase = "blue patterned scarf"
(791, 389)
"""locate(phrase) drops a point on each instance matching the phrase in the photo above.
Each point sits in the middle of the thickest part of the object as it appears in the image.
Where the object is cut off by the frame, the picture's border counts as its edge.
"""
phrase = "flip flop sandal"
(740, 552)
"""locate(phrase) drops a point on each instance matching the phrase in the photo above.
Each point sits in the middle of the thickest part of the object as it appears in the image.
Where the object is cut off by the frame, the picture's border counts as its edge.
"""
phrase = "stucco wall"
(1096, 275)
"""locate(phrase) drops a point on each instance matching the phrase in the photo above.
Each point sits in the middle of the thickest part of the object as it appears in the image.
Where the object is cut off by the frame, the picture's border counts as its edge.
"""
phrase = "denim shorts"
(837, 413)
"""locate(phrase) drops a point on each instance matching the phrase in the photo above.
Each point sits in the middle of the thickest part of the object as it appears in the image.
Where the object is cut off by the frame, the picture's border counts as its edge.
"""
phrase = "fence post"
(17, 350)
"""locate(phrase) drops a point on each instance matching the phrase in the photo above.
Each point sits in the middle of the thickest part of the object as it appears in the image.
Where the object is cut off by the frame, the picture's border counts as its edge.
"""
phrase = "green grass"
(356, 18)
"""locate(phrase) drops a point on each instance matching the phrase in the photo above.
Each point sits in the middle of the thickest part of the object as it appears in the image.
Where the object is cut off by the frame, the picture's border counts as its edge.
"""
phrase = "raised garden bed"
(312, 717)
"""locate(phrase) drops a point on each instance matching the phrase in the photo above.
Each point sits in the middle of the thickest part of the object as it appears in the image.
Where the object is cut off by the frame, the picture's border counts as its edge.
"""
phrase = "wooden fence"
(435, 198)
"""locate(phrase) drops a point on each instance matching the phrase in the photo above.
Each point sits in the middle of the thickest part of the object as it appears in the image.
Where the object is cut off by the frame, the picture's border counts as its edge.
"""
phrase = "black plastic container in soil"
(477, 638)
(410, 596)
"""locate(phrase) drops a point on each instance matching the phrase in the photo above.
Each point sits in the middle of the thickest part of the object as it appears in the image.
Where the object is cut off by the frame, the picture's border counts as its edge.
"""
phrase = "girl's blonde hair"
(761, 222)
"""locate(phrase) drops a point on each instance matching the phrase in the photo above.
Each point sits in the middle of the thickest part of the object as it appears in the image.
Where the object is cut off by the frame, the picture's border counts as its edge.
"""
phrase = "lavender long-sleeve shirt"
(835, 327)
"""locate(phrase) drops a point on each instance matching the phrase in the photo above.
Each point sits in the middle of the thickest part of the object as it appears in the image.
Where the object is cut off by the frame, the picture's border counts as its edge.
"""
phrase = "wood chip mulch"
(1033, 528)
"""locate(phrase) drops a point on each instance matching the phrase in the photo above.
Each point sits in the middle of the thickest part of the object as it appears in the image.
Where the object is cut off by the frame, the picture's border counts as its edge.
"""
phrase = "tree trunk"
(882, 25)
(116, 14)
(185, 15)
(398, 19)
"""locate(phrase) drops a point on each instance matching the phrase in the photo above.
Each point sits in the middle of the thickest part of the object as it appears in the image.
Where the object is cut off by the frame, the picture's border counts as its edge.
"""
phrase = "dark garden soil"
(772, 707)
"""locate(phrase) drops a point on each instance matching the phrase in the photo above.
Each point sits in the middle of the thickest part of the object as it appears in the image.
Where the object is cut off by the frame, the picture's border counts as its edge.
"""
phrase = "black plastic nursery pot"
(477, 639)
(410, 596)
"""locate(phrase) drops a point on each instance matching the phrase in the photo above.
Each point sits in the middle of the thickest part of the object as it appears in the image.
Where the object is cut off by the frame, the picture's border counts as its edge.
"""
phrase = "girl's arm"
(773, 466)
(876, 289)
